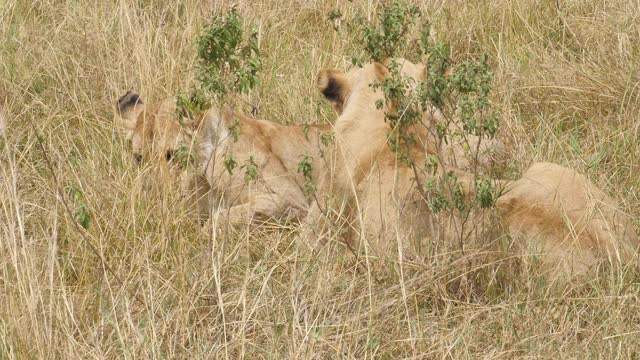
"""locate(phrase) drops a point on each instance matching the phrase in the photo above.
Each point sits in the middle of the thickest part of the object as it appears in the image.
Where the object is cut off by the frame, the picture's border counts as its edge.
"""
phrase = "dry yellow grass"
(567, 85)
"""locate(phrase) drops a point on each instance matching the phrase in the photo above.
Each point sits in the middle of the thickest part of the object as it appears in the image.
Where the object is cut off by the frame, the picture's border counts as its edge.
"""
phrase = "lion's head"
(154, 131)
(353, 97)
(338, 87)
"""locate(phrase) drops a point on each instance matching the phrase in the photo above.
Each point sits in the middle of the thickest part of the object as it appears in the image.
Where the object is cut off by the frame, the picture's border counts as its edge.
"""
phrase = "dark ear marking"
(333, 90)
(135, 99)
(334, 86)
(129, 99)
(169, 155)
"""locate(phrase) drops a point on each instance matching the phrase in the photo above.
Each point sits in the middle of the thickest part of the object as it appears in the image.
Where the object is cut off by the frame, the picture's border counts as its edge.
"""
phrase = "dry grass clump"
(143, 281)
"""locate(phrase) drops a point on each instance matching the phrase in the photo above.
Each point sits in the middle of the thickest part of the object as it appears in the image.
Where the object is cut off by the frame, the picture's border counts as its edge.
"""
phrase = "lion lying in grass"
(367, 181)
(247, 168)
(566, 218)
(555, 209)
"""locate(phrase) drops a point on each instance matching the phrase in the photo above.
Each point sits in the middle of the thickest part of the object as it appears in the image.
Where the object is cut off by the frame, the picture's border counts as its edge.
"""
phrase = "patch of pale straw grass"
(567, 87)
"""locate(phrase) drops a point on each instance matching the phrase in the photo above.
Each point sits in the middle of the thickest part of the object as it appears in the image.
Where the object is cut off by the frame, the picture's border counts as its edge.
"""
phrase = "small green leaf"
(230, 163)
(251, 172)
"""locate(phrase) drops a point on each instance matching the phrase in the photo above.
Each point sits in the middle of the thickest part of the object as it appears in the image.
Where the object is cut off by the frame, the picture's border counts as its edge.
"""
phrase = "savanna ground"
(567, 85)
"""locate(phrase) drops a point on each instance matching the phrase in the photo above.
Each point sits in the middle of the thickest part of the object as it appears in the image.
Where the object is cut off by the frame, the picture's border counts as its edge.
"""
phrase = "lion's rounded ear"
(334, 85)
(128, 101)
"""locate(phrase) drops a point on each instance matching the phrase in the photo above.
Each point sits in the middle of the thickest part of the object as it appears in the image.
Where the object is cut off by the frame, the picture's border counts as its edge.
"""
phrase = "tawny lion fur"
(275, 149)
(558, 212)
(566, 218)
(372, 187)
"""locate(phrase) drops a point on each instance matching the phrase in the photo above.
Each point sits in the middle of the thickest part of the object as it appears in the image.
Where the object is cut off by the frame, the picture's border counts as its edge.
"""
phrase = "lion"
(567, 219)
(556, 210)
(245, 167)
(365, 178)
